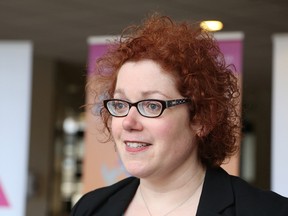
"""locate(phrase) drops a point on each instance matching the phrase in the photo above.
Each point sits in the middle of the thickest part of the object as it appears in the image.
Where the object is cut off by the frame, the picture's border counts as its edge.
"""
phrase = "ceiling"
(59, 29)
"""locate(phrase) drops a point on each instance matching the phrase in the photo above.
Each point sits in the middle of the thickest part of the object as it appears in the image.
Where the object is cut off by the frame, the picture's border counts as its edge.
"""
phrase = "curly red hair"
(194, 59)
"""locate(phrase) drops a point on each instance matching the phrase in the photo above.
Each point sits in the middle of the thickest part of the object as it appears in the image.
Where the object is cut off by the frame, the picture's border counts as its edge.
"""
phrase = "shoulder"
(103, 192)
(230, 195)
(117, 195)
(266, 202)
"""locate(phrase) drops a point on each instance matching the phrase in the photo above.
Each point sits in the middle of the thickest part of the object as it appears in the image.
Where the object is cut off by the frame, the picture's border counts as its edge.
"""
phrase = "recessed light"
(211, 25)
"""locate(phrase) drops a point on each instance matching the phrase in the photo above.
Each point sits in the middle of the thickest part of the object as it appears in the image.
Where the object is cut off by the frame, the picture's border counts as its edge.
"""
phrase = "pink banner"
(95, 51)
(231, 45)
(3, 198)
(232, 50)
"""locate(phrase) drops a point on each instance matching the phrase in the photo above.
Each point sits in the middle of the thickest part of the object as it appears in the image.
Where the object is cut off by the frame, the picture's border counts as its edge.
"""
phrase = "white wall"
(280, 115)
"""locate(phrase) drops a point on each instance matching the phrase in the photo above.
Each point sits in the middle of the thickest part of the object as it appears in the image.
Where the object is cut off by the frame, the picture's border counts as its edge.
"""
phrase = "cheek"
(165, 130)
(170, 130)
(176, 131)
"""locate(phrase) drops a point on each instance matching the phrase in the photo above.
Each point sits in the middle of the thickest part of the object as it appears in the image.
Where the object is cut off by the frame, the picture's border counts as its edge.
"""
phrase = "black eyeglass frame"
(165, 104)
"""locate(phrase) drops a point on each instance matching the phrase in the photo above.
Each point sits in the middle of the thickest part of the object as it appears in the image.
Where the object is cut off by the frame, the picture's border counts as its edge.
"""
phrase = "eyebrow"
(144, 94)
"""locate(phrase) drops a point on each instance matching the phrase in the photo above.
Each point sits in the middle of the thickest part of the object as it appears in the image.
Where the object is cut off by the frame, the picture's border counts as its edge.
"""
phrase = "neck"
(172, 183)
(181, 191)
(175, 180)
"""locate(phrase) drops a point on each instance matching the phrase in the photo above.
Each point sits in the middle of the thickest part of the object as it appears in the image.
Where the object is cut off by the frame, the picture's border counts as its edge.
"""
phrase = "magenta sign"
(3, 198)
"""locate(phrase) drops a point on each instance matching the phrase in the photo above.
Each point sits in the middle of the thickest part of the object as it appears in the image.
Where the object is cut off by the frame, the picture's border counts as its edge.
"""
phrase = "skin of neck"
(173, 188)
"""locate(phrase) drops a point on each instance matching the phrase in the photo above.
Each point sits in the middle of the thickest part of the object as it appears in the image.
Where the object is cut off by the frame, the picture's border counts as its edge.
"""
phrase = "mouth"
(136, 146)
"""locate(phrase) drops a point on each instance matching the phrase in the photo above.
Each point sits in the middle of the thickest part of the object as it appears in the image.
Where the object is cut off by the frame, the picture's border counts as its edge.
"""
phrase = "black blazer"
(222, 195)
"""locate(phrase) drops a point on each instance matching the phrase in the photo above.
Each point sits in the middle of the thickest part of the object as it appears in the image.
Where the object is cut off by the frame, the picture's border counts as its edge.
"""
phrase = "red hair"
(192, 56)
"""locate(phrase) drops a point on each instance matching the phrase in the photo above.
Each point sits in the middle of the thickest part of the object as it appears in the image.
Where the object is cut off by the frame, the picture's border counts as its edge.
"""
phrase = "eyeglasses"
(150, 108)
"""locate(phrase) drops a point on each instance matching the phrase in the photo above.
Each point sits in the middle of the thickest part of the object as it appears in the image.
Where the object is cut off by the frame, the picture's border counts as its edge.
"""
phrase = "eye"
(119, 105)
(152, 106)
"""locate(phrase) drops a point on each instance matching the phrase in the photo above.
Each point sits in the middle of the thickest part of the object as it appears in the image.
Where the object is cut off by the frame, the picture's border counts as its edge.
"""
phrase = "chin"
(135, 169)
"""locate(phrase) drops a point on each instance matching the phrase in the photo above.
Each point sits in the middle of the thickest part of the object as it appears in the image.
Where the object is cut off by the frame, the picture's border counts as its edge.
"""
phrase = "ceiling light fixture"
(211, 25)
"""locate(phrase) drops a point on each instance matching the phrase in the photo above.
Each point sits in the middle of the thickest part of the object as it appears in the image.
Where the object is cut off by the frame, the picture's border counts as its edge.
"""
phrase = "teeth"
(136, 145)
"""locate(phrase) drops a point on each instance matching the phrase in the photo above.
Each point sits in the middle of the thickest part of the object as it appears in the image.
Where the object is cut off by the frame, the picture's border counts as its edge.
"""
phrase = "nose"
(132, 120)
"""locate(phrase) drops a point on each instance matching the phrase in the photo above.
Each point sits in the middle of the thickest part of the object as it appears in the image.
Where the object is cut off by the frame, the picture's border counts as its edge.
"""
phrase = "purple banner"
(231, 45)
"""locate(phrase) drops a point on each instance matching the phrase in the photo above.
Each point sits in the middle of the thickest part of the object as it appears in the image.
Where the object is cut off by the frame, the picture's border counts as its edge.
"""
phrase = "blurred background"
(59, 30)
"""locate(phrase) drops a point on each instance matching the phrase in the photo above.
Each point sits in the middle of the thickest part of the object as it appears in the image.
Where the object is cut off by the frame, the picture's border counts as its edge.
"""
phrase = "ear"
(200, 130)
(197, 128)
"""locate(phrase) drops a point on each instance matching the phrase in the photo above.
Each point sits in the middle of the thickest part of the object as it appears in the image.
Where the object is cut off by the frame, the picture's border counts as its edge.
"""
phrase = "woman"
(171, 110)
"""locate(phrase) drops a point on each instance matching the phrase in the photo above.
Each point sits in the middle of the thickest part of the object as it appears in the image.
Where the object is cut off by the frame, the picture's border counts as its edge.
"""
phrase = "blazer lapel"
(217, 194)
(118, 203)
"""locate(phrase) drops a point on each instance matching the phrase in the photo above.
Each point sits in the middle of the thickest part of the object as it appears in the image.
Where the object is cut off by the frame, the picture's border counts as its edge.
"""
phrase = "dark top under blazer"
(222, 194)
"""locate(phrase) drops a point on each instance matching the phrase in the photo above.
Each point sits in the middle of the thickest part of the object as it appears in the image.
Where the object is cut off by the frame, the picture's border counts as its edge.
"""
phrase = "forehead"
(144, 76)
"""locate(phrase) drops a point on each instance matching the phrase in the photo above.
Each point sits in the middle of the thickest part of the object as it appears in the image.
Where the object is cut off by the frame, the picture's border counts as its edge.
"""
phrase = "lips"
(136, 146)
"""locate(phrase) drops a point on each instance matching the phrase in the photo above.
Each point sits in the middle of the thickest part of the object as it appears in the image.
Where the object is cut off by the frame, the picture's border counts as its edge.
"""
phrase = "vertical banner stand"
(279, 170)
(15, 97)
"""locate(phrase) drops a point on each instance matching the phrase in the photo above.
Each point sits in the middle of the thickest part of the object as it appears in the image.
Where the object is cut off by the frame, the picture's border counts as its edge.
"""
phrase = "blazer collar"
(119, 202)
(217, 194)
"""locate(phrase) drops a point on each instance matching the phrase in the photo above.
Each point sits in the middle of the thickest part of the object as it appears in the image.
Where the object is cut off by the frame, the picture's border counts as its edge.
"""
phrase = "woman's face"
(152, 147)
